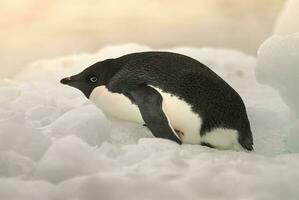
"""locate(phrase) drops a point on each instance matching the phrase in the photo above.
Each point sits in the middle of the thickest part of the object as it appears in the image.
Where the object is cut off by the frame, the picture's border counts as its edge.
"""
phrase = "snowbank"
(57, 145)
(278, 66)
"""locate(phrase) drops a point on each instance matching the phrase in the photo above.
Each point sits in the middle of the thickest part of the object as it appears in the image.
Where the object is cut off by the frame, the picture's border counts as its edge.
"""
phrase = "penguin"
(175, 96)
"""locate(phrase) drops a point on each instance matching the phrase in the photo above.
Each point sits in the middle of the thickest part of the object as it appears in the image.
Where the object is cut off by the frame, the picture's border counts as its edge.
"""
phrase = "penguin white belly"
(181, 117)
(179, 113)
(115, 105)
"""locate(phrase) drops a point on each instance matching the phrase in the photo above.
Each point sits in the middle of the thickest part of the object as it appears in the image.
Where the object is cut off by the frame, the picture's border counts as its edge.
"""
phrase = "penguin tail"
(246, 140)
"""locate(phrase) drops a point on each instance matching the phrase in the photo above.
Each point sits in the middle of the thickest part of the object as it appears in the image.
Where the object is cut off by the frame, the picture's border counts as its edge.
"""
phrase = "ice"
(278, 63)
(21, 137)
(164, 170)
(278, 66)
(56, 145)
(13, 164)
(88, 123)
(70, 157)
(292, 138)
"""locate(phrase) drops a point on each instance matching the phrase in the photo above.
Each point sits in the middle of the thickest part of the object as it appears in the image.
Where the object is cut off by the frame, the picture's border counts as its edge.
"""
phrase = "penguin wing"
(149, 102)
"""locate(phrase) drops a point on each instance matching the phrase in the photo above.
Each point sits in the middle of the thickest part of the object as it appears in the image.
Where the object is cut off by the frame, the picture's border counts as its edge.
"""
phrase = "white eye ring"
(93, 79)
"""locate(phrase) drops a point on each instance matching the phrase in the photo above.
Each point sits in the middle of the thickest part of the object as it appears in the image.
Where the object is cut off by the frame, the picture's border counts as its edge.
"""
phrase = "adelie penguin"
(177, 97)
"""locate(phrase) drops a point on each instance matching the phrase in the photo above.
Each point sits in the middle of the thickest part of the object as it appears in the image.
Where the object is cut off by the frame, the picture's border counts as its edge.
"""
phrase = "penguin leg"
(149, 102)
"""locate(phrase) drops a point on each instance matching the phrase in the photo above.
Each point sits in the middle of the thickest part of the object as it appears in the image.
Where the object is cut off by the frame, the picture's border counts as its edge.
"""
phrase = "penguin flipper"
(149, 102)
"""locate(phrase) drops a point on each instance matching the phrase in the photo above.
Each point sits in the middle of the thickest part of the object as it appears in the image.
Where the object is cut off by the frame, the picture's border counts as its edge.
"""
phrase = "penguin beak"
(77, 81)
(66, 81)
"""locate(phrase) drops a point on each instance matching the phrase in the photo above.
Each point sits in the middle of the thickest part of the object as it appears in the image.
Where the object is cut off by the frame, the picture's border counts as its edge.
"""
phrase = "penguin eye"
(93, 79)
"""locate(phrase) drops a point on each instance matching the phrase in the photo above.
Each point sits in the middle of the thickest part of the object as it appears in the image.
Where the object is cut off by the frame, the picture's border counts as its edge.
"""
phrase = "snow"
(278, 66)
(56, 145)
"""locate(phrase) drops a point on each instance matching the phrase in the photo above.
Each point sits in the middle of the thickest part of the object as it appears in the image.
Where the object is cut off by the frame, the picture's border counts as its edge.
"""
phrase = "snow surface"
(57, 145)
(278, 66)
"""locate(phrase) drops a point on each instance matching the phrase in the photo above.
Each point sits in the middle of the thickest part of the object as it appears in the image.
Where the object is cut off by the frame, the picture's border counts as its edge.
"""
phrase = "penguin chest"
(178, 112)
(115, 106)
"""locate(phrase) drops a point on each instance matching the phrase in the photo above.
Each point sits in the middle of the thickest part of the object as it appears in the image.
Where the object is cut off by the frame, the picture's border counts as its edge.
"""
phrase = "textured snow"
(54, 144)
(278, 66)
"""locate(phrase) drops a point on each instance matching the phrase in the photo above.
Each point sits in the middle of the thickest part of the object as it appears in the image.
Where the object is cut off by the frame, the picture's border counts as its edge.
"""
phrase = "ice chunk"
(269, 128)
(127, 133)
(69, 157)
(13, 164)
(86, 122)
(292, 138)
(278, 66)
(20, 136)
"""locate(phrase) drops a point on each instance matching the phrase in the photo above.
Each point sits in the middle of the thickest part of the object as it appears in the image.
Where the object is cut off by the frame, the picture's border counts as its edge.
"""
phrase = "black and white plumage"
(177, 97)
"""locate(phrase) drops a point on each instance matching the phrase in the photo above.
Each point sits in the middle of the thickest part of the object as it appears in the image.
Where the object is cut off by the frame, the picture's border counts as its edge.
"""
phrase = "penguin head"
(90, 78)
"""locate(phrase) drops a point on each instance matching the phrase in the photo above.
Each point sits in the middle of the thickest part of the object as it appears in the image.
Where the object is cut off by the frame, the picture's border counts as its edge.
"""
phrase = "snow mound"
(56, 145)
(278, 66)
